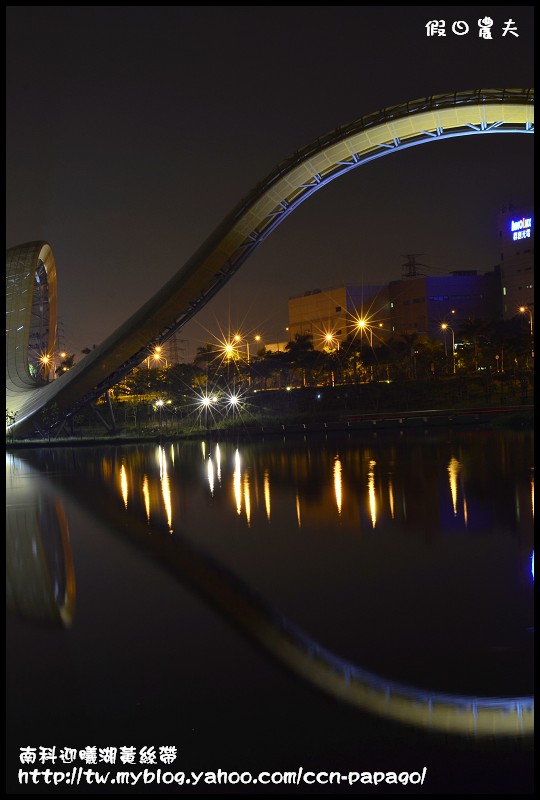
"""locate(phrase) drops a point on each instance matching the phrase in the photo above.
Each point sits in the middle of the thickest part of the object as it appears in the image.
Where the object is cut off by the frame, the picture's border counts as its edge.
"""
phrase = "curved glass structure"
(30, 316)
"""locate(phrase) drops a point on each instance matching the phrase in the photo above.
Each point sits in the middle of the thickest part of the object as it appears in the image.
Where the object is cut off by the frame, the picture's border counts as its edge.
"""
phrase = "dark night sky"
(133, 131)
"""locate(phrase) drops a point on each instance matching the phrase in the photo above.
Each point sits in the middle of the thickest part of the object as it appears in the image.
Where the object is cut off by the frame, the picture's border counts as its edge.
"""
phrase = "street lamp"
(156, 356)
(205, 402)
(331, 340)
(159, 404)
(526, 309)
(444, 327)
(363, 326)
(238, 338)
(47, 363)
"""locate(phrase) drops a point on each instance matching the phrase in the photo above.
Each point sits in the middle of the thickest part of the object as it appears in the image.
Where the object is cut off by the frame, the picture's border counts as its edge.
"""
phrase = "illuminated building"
(330, 315)
(276, 347)
(516, 237)
(421, 304)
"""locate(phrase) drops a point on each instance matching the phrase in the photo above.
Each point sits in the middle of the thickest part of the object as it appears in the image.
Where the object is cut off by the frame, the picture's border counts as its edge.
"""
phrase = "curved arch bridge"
(391, 130)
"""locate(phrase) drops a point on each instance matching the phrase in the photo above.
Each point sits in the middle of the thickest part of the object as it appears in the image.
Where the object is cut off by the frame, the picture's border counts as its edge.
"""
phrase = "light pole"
(444, 327)
(238, 338)
(205, 402)
(159, 404)
(229, 353)
(362, 324)
(332, 340)
(47, 364)
(527, 310)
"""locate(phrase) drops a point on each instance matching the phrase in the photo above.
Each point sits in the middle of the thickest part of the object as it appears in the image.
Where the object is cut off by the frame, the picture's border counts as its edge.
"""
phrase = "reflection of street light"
(445, 326)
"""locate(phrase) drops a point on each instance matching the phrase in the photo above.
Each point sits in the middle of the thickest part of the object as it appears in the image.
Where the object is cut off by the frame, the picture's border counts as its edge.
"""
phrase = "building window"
(504, 290)
(338, 308)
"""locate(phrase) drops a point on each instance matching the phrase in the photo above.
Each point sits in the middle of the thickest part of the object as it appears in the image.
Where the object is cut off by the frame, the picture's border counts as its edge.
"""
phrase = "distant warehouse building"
(330, 315)
(422, 304)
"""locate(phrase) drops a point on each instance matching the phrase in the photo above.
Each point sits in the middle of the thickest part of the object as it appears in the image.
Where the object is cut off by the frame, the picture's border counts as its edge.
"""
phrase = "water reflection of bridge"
(234, 600)
(230, 245)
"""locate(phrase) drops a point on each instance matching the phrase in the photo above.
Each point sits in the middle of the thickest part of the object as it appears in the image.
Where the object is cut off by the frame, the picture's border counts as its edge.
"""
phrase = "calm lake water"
(139, 579)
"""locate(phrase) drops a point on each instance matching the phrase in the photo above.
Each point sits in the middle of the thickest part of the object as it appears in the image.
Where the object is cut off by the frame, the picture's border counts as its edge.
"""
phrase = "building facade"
(330, 315)
(412, 305)
(516, 238)
(423, 304)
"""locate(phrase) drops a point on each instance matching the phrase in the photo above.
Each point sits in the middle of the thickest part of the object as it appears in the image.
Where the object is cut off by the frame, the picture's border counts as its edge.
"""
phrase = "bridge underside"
(254, 218)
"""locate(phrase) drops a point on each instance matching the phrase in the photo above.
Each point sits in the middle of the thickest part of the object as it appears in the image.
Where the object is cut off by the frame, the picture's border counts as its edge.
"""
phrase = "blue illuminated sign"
(521, 228)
